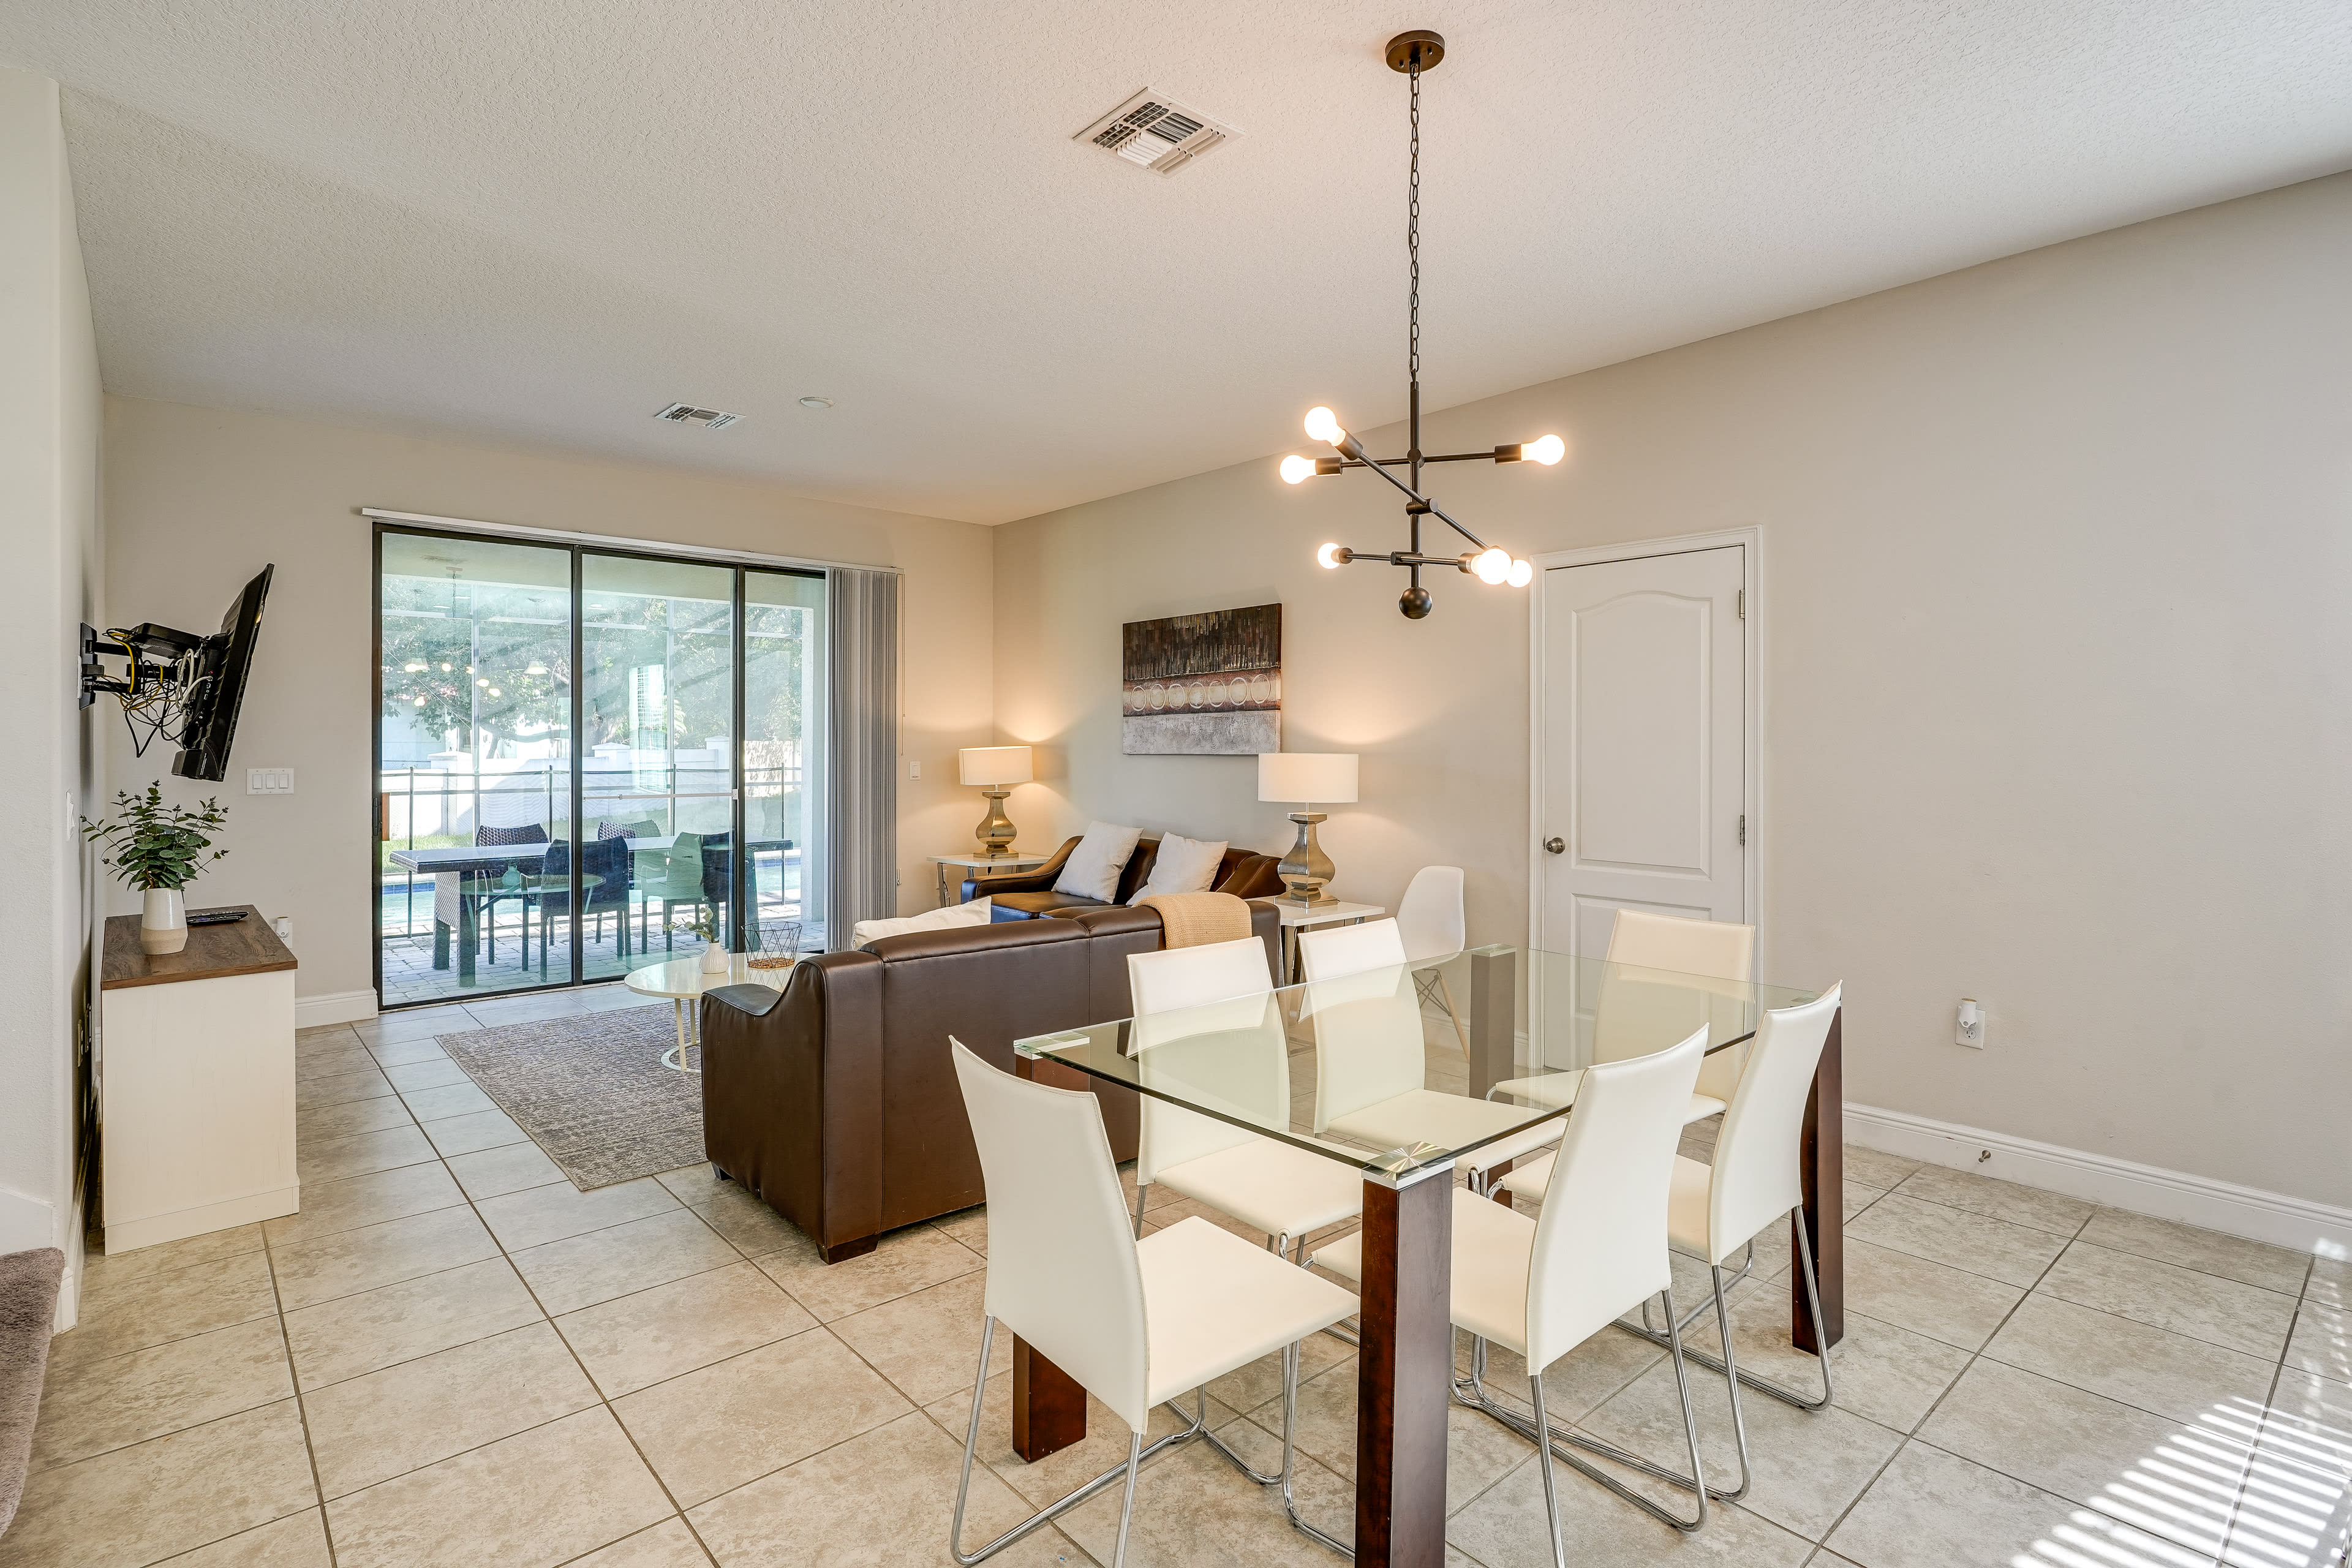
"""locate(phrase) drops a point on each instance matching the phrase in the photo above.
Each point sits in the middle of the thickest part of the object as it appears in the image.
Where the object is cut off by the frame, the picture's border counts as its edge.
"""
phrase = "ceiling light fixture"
(816, 402)
(1413, 53)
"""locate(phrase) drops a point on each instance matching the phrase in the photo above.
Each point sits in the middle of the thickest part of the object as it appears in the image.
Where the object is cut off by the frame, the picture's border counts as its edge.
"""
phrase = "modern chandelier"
(1413, 53)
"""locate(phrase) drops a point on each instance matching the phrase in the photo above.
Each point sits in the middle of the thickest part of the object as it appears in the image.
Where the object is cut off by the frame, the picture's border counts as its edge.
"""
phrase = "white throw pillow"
(1182, 866)
(975, 913)
(1092, 870)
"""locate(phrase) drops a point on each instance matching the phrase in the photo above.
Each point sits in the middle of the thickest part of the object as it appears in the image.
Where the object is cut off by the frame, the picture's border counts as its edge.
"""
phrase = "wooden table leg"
(1049, 1407)
(1404, 1374)
(1494, 1018)
(1821, 1168)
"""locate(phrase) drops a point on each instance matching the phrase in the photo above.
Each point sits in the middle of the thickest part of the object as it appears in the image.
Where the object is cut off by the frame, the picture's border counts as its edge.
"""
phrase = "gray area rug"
(591, 1091)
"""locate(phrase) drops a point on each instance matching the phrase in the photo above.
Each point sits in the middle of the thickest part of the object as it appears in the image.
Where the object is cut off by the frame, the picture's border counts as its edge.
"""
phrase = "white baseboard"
(333, 1007)
(151, 1230)
(2275, 1217)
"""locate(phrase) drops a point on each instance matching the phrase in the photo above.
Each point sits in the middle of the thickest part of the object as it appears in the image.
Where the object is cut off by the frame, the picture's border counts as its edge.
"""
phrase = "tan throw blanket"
(1196, 920)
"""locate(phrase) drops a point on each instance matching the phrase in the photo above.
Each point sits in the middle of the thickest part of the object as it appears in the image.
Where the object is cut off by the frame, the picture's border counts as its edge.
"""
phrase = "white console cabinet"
(196, 1074)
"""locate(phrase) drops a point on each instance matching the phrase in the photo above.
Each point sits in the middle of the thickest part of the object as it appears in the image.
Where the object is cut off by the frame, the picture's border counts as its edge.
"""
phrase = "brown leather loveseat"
(1244, 873)
(836, 1102)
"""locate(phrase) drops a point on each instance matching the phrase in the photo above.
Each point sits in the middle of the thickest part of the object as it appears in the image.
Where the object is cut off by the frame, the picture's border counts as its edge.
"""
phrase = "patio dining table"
(1352, 1070)
(481, 870)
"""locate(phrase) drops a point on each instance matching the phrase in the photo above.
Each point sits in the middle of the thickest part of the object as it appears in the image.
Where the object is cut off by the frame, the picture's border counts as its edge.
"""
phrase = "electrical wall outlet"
(1970, 1030)
(284, 926)
(270, 780)
(914, 769)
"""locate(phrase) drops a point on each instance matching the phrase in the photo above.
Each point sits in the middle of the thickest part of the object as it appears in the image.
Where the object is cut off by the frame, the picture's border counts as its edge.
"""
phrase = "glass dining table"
(1408, 1074)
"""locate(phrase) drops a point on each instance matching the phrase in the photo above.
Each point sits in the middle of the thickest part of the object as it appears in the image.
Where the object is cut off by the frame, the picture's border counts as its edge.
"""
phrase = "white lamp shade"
(991, 765)
(1308, 776)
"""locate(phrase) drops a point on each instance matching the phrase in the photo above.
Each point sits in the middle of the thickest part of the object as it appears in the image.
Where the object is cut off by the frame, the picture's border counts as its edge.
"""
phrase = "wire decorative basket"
(780, 945)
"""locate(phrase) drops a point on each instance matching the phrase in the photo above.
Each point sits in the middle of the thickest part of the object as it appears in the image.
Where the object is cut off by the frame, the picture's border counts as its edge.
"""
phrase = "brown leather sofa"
(835, 1101)
(1244, 873)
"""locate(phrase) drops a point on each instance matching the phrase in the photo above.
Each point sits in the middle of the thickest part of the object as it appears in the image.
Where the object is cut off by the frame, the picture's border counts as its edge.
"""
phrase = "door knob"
(1554, 845)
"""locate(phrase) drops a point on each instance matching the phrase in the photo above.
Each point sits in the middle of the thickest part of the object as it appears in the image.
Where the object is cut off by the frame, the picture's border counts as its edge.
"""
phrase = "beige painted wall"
(2058, 673)
(50, 530)
(197, 498)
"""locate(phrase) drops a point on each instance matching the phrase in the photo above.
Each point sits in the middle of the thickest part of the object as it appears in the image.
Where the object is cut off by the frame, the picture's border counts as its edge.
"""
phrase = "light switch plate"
(270, 780)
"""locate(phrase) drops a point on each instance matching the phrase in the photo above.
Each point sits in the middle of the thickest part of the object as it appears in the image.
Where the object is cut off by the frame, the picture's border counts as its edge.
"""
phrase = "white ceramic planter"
(163, 922)
(714, 958)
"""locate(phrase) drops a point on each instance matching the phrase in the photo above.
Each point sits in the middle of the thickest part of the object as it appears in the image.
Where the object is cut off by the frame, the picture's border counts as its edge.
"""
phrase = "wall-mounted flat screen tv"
(222, 664)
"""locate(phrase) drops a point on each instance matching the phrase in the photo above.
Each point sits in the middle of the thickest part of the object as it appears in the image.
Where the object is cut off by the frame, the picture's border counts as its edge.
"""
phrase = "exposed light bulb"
(1295, 468)
(1491, 565)
(1323, 425)
(1328, 556)
(1544, 449)
(1521, 574)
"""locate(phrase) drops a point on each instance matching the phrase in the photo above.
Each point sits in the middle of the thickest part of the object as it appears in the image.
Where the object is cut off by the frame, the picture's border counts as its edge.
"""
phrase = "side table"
(1296, 918)
(683, 982)
(1020, 860)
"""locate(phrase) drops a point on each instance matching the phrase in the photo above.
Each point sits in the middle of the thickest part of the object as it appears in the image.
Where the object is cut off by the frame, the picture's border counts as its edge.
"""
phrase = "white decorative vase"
(714, 958)
(163, 923)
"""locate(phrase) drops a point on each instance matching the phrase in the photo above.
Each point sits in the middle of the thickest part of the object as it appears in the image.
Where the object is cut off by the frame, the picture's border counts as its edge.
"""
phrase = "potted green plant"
(704, 923)
(158, 849)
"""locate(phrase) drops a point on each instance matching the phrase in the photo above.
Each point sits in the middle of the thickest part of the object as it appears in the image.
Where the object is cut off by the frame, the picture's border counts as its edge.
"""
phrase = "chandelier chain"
(1412, 237)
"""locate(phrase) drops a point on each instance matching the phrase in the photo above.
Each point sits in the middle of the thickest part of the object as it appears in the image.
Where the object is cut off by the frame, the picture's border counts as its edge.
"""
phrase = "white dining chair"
(1210, 1029)
(1716, 1210)
(1541, 1287)
(1431, 924)
(1135, 1323)
(1371, 1057)
(1634, 1008)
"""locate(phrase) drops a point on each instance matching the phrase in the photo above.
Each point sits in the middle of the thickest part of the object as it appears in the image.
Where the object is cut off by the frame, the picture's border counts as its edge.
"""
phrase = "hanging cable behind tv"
(179, 685)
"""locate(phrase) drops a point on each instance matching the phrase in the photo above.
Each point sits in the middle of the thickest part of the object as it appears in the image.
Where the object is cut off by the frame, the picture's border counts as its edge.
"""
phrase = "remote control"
(216, 917)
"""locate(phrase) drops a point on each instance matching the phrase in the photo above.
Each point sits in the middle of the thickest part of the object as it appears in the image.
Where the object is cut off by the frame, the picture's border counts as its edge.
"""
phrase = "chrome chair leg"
(1201, 1419)
(1338, 1331)
(1555, 1441)
(1289, 1455)
(1762, 1384)
(1137, 1453)
(1543, 1467)
(1731, 1381)
(1126, 1503)
(1138, 1210)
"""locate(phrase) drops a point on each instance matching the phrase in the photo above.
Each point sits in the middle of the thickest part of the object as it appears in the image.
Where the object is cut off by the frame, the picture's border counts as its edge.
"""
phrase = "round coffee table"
(682, 980)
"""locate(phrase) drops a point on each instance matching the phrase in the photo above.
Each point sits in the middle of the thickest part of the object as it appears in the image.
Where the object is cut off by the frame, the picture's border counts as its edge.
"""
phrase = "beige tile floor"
(452, 1357)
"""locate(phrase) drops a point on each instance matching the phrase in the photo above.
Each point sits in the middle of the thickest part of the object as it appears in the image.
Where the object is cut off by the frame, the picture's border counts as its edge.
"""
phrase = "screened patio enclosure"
(589, 760)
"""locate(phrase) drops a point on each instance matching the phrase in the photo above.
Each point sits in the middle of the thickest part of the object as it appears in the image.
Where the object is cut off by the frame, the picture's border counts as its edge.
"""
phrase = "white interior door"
(1643, 708)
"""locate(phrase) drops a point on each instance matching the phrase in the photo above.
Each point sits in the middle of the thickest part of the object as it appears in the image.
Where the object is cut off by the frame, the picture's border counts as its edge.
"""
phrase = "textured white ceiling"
(544, 221)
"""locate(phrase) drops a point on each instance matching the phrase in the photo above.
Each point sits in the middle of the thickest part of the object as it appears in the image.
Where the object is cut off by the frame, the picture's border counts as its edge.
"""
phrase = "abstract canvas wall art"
(1202, 686)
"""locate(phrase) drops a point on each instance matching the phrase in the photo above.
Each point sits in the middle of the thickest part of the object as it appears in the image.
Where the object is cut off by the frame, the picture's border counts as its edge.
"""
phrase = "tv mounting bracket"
(154, 654)
(156, 687)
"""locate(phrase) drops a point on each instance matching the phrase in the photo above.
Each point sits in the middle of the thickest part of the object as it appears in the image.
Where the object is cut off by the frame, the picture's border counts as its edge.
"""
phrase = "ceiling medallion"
(1413, 53)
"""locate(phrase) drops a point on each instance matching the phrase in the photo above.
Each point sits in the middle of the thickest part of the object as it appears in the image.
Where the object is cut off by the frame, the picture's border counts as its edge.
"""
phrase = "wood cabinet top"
(243, 947)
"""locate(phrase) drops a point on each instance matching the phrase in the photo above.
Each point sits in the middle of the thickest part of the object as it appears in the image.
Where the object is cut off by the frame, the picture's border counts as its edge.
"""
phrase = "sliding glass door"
(691, 742)
(784, 765)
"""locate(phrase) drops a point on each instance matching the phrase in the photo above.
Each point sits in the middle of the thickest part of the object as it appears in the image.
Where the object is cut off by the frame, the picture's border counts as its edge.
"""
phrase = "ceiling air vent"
(1156, 132)
(688, 414)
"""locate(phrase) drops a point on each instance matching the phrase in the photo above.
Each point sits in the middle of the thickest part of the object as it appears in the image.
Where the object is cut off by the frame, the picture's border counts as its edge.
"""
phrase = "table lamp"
(995, 769)
(1306, 777)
